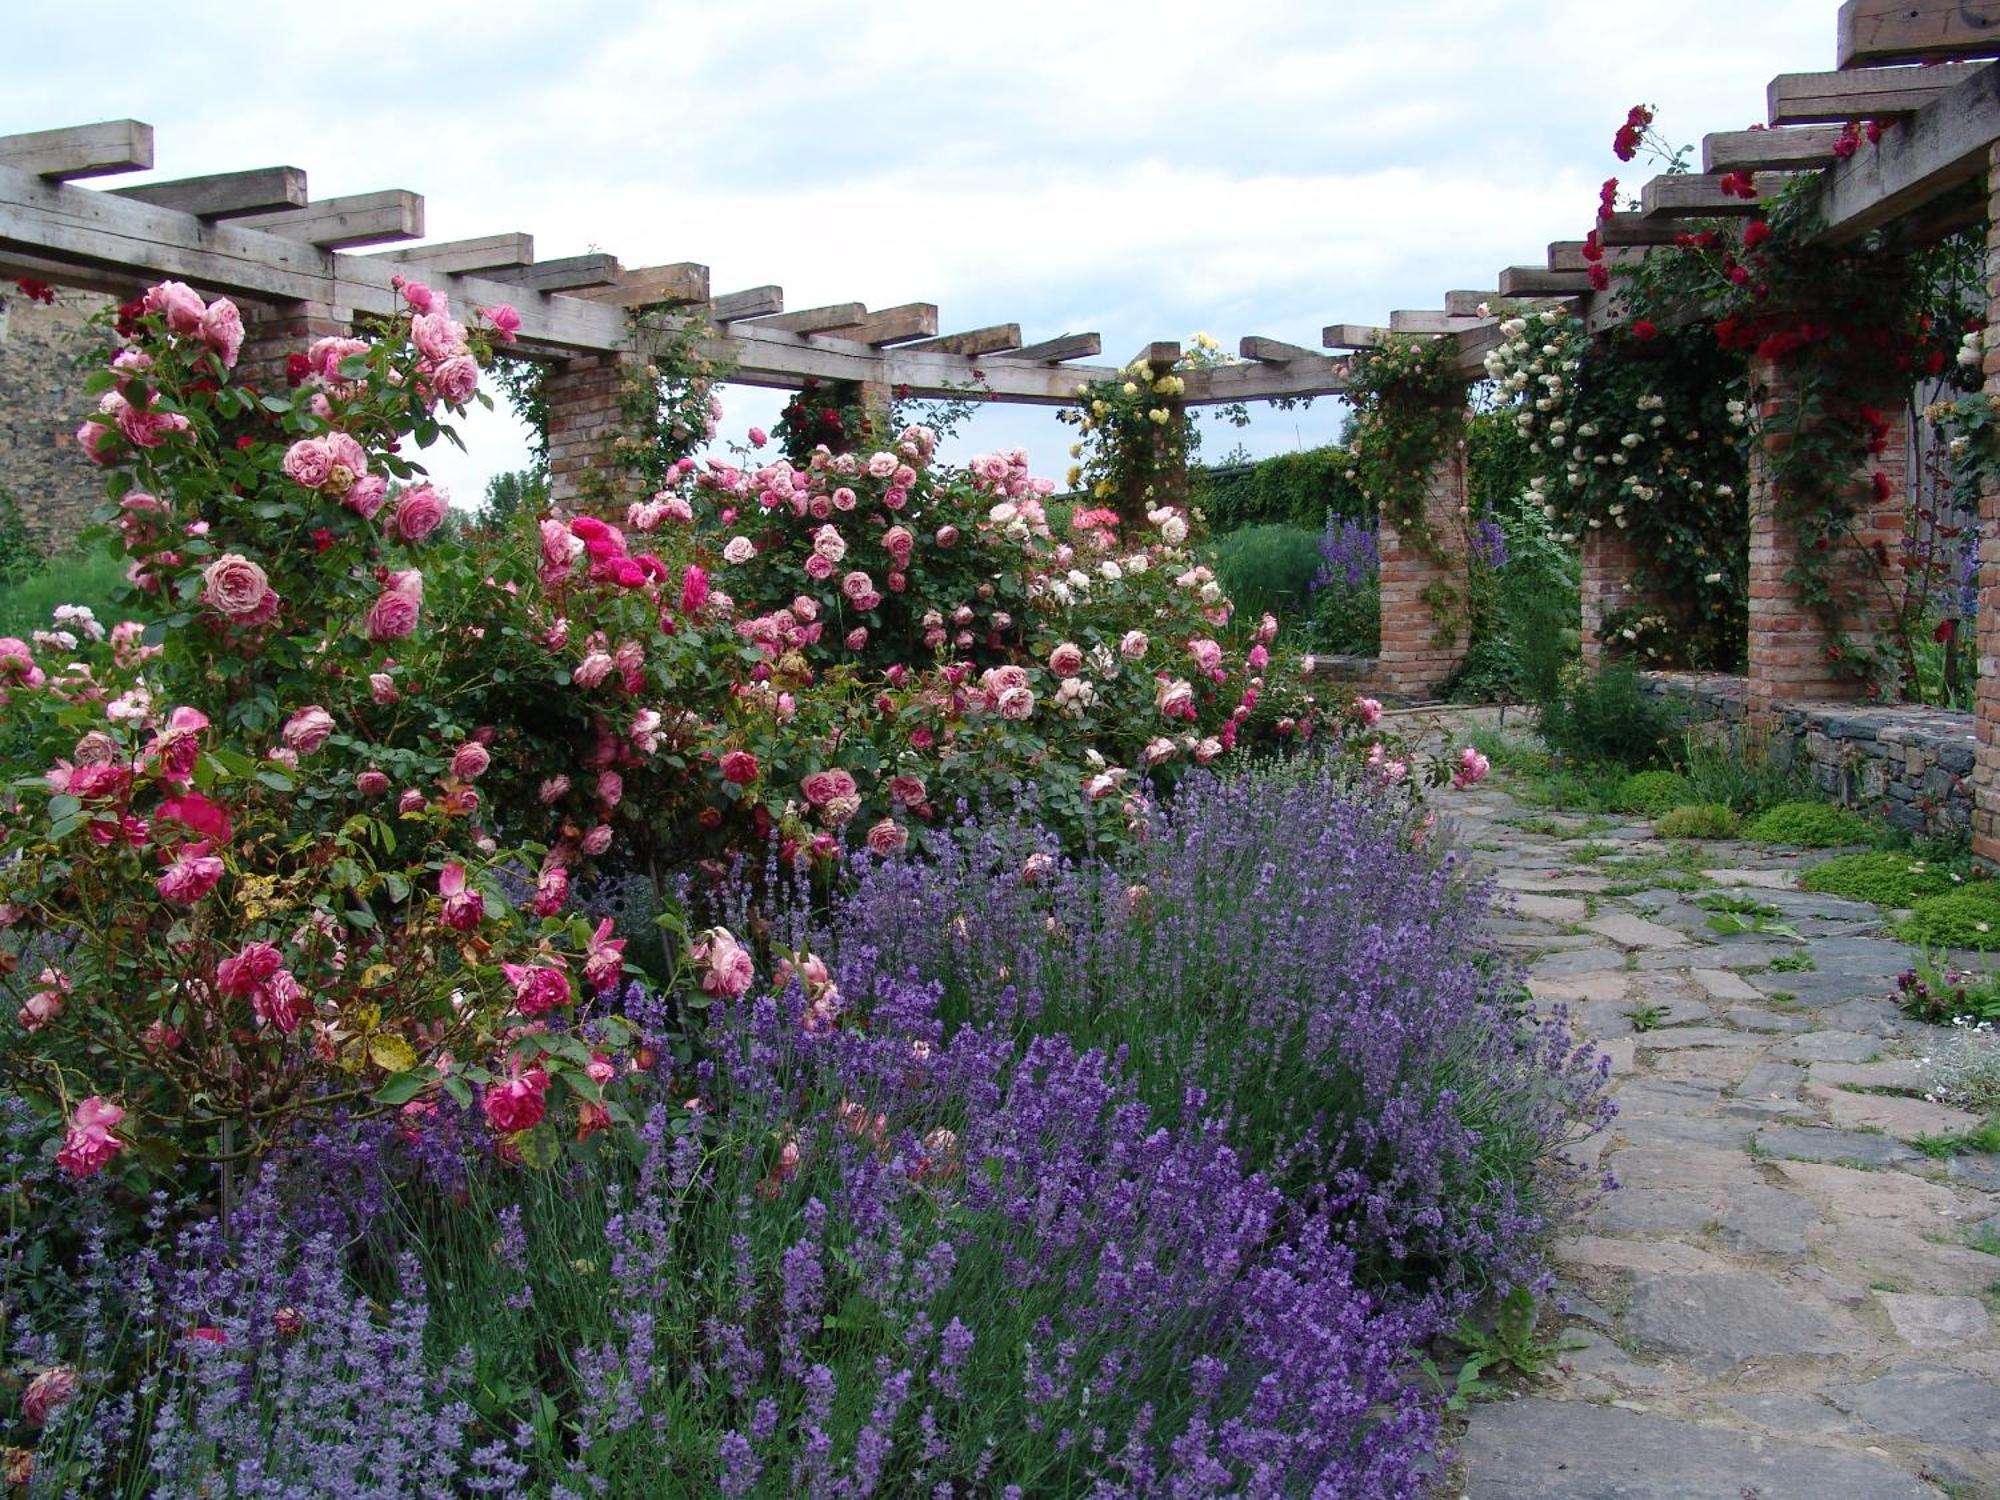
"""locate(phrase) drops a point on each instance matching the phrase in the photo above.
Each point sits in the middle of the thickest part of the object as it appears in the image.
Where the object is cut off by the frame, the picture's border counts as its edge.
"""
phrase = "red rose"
(1755, 233)
(740, 767)
(1645, 329)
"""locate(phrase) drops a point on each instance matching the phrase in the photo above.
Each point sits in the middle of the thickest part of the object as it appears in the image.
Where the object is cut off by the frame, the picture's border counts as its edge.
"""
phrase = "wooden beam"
(1942, 146)
(753, 302)
(1540, 281)
(1835, 98)
(1054, 351)
(826, 319)
(1352, 335)
(1469, 350)
(997, 339)
(226, 195)
(1691, 195)
(338, 223)
(1636, 229)
(80, 150)
(492, 252)
(1898, 31)
(895, 325)
(1466, 304)
(1273, 352)
(650, 286)
(91, 230)
(1424, 320)
(1315, 375)
(1806, 148)
(1163, 355)
(1567, 255)
(570, 273)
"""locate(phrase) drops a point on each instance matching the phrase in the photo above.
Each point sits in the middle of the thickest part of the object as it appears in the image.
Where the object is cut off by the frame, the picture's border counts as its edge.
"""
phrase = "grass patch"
(1983, 1138)
(1653, 792)
(1883, 877)
(1965, 918)
(90, 576)
(1696, 820)
(1808, 825)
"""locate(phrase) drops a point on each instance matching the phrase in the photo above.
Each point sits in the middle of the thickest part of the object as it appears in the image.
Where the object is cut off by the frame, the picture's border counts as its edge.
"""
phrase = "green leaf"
(276, 781)
(459, 1089)
(275, 403)
(61, 807)
(391, 1053)
(404, 1087)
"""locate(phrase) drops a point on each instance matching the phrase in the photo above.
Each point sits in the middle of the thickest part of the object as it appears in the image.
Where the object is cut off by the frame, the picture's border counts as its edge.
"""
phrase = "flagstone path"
(1782, 1300)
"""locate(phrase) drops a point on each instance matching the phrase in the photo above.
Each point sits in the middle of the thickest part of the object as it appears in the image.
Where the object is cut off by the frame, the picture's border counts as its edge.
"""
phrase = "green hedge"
(1297, 489)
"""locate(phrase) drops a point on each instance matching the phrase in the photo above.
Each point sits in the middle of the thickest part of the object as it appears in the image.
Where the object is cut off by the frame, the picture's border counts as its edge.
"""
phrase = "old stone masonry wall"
(45, 353)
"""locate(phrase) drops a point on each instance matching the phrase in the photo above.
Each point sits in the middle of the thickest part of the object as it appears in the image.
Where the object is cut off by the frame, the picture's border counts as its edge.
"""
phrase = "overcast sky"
(1142, 170)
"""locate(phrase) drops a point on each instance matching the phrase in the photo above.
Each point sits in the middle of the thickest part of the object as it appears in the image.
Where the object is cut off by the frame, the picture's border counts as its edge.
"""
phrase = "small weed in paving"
(1983, 1138)
(1696, 820)
(1647, 1017)
(1733, 915)
(1794, 963)
(1514, 1344)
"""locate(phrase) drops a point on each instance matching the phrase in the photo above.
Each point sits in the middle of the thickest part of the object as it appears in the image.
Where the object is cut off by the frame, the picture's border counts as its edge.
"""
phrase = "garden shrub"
(1605, 716)
(1885, 877)
(1964, 918)
(1653, 792)
(1347, 589)
(1286, 489)
(1489, 672)
(1269, 570)
(1808, 825)
(1696, 820)
(1738, 769)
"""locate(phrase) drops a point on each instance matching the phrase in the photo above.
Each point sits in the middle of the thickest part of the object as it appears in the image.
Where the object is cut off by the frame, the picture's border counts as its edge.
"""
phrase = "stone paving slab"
(1782, 1298)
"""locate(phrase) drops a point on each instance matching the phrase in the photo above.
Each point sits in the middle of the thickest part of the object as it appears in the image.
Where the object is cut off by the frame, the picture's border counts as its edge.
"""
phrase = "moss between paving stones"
(1696, 820)
(1808, 825)
(1884, 877)
(1967, 918)
(1651, 792)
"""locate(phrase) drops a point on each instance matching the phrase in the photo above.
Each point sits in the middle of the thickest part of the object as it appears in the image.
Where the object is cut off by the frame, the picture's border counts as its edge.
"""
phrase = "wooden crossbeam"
(1691, 195)
(570, 273)
(226, 195)
(1567, 255)
(996, 339)
(1870, 94)
(1896, 31)
(1540, 281)
(650, 286)
(895, 325)
(1636, 229)
(1425, 320)
(1469, 350)
(1804, 148)
(1352, 335)
(828, 319)
(491, 252)
(338, 223)
(1942, 146)
(1054, 351)
(753, 302)
(80, 150)
(1273, 351)
(1162, 355)
(1466, 304)
(1315, 375)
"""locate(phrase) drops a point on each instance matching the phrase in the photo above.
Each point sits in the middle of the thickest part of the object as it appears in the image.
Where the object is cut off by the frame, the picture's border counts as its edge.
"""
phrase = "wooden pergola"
(1921, 67)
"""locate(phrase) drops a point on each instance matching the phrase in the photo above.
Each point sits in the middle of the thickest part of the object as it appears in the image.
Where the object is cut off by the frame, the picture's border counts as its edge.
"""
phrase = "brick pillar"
(1788, 660)
(1611, 583)
(1416, 656)
(274, 333)
(586, 419)
(1986, 765)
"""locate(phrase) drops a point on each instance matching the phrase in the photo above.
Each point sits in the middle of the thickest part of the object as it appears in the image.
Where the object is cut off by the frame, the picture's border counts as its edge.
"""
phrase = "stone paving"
(1783, 1298)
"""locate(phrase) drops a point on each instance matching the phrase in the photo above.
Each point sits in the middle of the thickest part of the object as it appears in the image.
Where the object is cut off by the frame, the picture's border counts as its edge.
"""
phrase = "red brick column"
(1788, 655)
(1611, 583)
(273, 333)
(586, 419)
(1416, 655)
(1986, 765)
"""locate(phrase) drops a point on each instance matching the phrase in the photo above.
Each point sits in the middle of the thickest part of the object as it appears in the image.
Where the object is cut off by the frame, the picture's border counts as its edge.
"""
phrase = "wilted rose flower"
(192, 875)
(235, 587)
(464, 907)
(538, 987)
(54, 1388)
(518, 1104)
(470, 760)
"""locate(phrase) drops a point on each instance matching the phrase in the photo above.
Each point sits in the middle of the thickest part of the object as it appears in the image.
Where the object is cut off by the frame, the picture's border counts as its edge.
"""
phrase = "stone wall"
(1911, 764)
(45, 353)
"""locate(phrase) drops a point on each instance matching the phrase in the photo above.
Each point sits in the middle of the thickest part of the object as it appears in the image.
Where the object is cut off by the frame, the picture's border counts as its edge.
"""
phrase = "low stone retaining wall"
(1910, 763)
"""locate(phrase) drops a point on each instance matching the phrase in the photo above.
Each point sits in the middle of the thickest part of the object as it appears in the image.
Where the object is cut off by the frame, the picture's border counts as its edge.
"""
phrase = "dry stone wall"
(45, 354)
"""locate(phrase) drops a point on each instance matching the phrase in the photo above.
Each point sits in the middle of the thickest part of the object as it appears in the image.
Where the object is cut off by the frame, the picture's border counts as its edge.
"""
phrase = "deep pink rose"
(517, 1104)
(412, 801)
(222, 330)
(420, 512)
(307, 730)
(192, 875)
(203, 815)
(470, 761)
(694, 589)
(598, 840)
(371, 783)
(279, 1002)
(392, 616)
(538, 987)
(727, 966)
(88, 1145)
(235, 587)
(180, 302)
(464, 907)
(505, 320)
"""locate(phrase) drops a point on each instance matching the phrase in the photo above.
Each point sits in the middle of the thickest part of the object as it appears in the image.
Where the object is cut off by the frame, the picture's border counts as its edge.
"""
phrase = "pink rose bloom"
(597, 840)
(554, 789)
(908, 790)
(308, 462)
(818, 568)
(517, 1104)
(180, 302)
(222, 331)
(739, 767)
(1066, 660)
(1174, 697)
(886, 837)
(192, 875)
(420, 512)
(412, 801)
(1207, 655)
(857, 585)
(437, 337)
(382, 688)
(740, 549)
(610, 788)
(829, 544)
(605, 961)
(694, 588)
(325, 356)
(1267, 629)
(464, 907)
(279, 1002)
(538, 988)
(371, 783)
(239, 976)
(727, 965)
(42, 1007)
(592, 670)
(551, 890)
(392, 616)
(821, 787)
(420, 297)
(857, 638)
(757, 437)
(947, 536)
(307, 730)
(88, 1145)
(1016, 703)
(505, 320)
(1368, 711)
(470, 760)
(456, 379)
(1260, 657)
(1472, 769)
(366, 495)
(348, 458)
(881, 465)
(235, 587)
(53, 1388)
(1134, 645)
